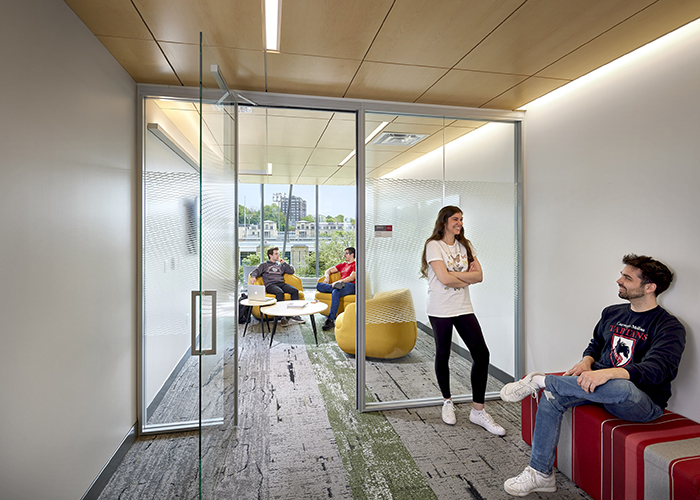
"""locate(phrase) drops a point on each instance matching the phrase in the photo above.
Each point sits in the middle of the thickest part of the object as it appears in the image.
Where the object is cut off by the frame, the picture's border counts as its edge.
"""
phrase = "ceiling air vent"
(398, 139)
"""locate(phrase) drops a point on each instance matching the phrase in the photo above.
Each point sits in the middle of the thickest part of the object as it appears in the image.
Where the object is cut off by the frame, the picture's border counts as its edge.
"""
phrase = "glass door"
(213, 303)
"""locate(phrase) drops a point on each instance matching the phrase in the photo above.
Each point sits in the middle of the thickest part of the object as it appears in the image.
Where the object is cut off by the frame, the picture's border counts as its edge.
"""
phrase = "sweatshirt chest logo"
(621, 350)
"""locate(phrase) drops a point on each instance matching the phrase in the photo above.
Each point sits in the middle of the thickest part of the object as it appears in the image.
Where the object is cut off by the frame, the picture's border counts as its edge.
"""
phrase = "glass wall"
(292, 170)
(414, 166)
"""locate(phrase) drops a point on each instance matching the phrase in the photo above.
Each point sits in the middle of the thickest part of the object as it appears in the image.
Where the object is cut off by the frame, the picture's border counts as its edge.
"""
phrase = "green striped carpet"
(377, 463)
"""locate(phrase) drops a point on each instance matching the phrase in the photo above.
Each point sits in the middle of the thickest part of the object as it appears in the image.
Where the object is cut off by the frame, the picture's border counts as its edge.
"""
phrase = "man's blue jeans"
(348, 289)
(618, 396)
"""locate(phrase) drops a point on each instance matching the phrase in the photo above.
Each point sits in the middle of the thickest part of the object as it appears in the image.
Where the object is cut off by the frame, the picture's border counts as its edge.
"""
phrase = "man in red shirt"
(344, 286)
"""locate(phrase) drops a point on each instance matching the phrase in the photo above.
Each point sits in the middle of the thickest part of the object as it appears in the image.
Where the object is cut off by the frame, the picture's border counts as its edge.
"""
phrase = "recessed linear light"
(369, 138)
(273, 18)
(257, 172)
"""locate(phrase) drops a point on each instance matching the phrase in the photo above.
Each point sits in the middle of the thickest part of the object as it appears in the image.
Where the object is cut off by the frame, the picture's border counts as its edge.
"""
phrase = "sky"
(334, 200)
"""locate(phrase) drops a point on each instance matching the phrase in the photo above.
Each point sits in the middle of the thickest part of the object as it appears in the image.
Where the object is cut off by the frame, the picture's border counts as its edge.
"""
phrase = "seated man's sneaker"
(328, 325)
(448, 413)
(486, 421)
(517, 391)
(528, 481)
(283, 322)
(338, 284)
(296, 320)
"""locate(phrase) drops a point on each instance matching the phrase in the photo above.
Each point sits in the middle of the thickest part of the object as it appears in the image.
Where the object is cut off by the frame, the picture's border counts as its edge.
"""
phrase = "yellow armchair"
(289, 279)
(390, 330)
(344, 301)
(326, 297)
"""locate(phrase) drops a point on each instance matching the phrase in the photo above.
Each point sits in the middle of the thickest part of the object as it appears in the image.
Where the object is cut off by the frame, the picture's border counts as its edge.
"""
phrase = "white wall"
(67, 253)
(613, 167)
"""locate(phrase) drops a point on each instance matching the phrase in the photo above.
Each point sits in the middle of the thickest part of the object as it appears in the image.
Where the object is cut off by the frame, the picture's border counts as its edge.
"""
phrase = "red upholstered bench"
(613, 459)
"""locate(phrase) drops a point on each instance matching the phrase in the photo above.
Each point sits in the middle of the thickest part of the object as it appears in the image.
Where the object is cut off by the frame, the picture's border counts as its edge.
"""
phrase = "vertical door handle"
(195, 294)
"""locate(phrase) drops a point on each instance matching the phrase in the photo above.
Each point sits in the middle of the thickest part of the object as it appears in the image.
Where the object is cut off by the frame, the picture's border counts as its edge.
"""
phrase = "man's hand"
(589, 380)
(326, 278)
(582, 366)
(251, 280)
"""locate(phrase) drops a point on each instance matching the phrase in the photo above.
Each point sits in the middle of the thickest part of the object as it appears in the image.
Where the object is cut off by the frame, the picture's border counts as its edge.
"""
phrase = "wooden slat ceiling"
(497, 54)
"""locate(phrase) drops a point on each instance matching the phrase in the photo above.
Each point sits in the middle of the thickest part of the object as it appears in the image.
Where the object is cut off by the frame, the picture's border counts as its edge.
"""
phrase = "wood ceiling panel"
(111, 18)
(527, 91)
(469, 88)
(392, 82)
(225, 23)
(331, 28)
(657, 20)
(542, 31)
(437, 34)
(420, 120)
(306, 75)
(142, 59)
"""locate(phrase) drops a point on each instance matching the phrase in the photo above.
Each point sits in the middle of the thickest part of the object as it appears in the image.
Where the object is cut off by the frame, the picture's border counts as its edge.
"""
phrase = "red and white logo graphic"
(622, 349)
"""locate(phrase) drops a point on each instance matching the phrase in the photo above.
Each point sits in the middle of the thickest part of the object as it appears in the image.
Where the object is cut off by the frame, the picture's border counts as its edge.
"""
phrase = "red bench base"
(613, 459)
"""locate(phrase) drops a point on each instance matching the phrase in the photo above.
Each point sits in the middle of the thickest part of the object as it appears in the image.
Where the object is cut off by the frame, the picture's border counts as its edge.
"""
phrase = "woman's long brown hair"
(439, 231)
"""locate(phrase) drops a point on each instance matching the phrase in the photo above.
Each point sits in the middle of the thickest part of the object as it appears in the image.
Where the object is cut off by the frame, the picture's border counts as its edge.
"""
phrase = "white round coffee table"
(290, 308)
(251, 304)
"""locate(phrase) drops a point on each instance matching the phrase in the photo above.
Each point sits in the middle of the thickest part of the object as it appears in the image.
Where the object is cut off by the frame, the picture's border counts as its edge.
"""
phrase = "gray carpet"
(300, 437)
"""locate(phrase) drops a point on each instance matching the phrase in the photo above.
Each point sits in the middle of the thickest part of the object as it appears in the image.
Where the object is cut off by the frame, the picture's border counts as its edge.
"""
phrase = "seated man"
(344, 286)
(627, 367)
(272, 273)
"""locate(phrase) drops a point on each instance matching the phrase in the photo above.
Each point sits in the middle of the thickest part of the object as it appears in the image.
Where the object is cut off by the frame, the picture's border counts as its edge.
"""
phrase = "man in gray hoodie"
(272, 273)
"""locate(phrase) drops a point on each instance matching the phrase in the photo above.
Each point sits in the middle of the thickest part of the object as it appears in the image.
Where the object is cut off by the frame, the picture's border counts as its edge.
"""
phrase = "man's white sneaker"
(528, 481)
(486, 421)
(448, 412)
(516, 391)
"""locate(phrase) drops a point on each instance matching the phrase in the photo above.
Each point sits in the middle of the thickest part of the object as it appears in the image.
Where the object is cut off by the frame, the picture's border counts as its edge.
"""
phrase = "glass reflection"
(414, 167)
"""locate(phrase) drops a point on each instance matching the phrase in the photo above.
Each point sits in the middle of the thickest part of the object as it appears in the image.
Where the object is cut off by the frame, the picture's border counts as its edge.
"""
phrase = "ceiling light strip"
(273, 19)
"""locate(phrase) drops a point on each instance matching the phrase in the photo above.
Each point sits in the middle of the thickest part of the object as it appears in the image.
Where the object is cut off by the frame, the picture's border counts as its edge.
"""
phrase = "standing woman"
(449, 262)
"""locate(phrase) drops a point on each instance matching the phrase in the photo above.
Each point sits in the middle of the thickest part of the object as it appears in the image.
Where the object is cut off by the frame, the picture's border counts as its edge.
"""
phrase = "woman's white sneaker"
(528, 481)
(520, 389)
(480, 417)
(448, 413)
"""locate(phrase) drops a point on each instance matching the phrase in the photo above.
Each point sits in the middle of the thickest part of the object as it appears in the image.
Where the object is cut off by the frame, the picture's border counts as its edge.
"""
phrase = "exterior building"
(297, 211)
(305, 229)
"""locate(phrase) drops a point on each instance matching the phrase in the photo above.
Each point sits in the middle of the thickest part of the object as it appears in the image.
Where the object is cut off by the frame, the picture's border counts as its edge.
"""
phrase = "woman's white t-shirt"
(445, 301)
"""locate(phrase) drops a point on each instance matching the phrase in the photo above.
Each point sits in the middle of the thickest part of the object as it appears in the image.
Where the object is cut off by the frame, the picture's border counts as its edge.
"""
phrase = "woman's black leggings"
(468, 328)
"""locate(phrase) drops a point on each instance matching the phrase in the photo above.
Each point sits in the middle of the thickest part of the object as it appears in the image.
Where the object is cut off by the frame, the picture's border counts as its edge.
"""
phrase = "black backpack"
(243, 311)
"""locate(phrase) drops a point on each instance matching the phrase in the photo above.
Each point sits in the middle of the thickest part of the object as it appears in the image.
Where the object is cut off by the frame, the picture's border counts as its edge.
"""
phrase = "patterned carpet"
(300, 437)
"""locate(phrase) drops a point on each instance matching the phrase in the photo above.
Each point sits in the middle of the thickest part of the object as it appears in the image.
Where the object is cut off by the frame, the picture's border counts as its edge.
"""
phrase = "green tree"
(338, 218)
(330, 252)
(308, 218)
(251, 260)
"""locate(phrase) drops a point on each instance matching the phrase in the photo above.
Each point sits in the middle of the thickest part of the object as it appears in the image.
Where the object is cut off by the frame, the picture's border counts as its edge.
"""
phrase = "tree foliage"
(330, 253)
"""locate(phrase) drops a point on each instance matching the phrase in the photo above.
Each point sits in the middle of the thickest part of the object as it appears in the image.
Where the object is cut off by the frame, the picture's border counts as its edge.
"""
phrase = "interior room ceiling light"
(398, 139)
(273, 18)
(369, 138)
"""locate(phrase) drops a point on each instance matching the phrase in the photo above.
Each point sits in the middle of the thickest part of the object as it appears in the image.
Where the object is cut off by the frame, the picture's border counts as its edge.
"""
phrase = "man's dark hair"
(270, 251)
(652, 271)
(351, 250)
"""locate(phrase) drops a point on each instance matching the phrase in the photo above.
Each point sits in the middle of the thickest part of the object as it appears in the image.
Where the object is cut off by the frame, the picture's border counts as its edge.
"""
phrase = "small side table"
(282, 309)
(249, 304)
